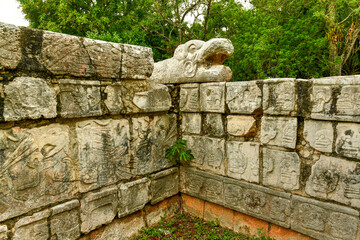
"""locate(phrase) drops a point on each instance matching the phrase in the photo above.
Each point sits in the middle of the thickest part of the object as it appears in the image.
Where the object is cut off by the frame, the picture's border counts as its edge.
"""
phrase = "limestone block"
(164, 184)
(37, 169)
(212, 97)
(64, 54)
(335, 179)
(209, 153)
(157, 99)
(32, 227)
(103, 148)
(27, 97)
(137, 62)
(79, 98)
(243, 97)
(167, 208)
(105, 57)
(98, 208)
(214, 125)
(279, 96)
(113, 101)
(281, 169)
(279, 131)
(191, 123)
(239, 126)
(348, 140)
(65, 222)
(348, 102)
(320, 135)
(189, 98)
(10, 50)
(243, 160)
(323, 220)
(3, 232)
(133, 196)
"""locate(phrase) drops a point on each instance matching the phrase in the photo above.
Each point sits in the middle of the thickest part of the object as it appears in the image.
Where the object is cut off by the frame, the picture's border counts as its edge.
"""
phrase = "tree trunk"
(335, 66)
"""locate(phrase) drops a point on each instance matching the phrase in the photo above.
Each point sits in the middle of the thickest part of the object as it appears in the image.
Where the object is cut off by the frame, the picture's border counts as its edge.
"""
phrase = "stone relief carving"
(212, 97)
(113, 101)
(319, 135)
(189, 98)
(348, 102)
(191, 123)
(321, 99)
(196, 61)
(279, 97)
(243, 97)
(348, 140)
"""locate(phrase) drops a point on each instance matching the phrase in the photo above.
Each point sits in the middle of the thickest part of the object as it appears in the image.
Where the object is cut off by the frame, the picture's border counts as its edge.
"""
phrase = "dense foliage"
(273, 38)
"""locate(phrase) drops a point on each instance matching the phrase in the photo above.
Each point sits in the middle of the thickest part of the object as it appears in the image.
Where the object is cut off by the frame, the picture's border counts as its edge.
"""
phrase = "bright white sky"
(10, 13)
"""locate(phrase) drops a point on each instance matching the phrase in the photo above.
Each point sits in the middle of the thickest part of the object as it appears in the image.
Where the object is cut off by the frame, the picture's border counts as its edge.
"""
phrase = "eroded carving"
(189, 98)
(212, 97)
(321, 99)
(243, 97)
(279, 97)
(191, 123)
(348, 102)
(137, 62)
(348, 140)
(164, 184)
(32, 227)
(214, 125)
(113, 101)
(319, 135)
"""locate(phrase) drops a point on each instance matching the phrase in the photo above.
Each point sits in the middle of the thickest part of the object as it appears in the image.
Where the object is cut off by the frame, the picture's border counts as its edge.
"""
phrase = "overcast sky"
(10, 13)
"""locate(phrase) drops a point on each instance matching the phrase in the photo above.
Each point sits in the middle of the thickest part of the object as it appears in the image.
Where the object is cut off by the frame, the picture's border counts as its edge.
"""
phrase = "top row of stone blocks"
(66, 55)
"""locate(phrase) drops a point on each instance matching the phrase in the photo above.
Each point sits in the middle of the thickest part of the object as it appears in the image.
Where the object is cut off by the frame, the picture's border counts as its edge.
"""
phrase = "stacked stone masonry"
(84, 125)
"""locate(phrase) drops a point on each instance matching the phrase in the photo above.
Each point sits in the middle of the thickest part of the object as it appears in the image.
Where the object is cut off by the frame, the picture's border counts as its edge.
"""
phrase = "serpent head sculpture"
(196, 61)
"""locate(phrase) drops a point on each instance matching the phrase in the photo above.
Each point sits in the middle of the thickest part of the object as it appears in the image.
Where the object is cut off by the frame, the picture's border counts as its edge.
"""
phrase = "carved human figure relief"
(212, 97)
(321, 99)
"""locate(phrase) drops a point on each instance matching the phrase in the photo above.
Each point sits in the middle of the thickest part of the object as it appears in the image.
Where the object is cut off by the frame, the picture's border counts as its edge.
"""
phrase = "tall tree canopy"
(274, 38)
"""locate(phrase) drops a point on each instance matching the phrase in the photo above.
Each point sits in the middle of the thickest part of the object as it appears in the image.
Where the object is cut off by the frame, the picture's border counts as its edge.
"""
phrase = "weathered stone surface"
(239, 125)
(279, 131)
(348, 140)
(137, 62)
(79, 98)
(209, 153)
(323, 220)
(36, 168)
(212, 97)
(281, 169)
(27, 97)
(348, 102)
(214, 125)
(124, 93)
(98, 208)
(3, 232)
(105, 57)
(191, 123)
(32, 227)
(64, 54)
(243, 160)
(113, 100)
(167, 208)
(243, 97)
(189, 97)
(133, 196)
(65, 222)
(279, 96)
(157, 99)
(196, 61)
(10, 50)
(320, 135)
(164, 184)
(335, 179)
(150, 139)
(103, 147)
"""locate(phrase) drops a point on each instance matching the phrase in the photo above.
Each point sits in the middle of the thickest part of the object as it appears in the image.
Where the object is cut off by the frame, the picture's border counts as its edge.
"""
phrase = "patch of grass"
(183, 226)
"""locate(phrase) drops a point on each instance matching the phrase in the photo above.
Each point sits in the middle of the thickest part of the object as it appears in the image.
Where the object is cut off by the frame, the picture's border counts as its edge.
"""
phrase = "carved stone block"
(3, 232)
(243, 97)
(37, 169)
(103, 147)
(348, 102)
(157, 99)
(243, 160)
(137, 62)
(191, 123)
(281, 169)
(27, 97)
(65, 222)
(98, 208)
(10, 50)
(209, 153)
(335, 179)
(212, 97)
(79, 98)
(164, 184)
(32, 227)
(319, 134)
(113, 100)
(348, 140)
(279, 131)
(133, 196)
(214, 125)
(279, 96)
(323, 220)
(240, 126)
(189, 98)
(105, 57)
(63, 54)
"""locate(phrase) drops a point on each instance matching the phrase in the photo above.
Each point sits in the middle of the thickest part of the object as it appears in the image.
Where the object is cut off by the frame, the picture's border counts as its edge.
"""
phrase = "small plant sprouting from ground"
(179, 152)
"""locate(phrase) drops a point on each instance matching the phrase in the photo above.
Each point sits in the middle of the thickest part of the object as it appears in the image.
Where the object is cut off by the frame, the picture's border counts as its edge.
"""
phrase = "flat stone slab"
(243, 97)
(10, 49)
(157, 99)
(240, 126)
(137, 62)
